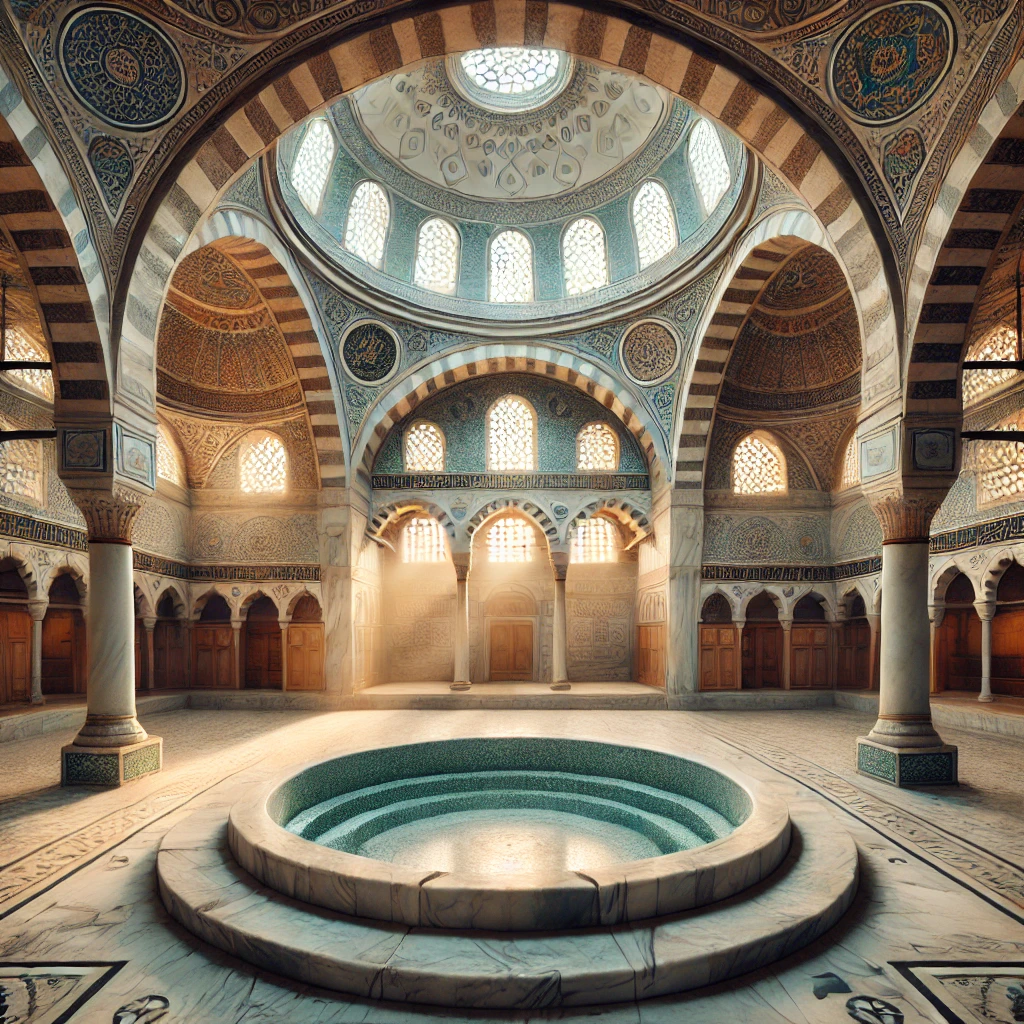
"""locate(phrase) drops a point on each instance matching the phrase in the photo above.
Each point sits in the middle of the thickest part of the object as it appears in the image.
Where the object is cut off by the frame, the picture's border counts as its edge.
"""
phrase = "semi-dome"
(510, 184)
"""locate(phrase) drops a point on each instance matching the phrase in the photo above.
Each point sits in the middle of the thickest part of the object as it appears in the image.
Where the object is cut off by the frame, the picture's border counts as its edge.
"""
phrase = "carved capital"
(905, 519)
(461, 562)
(109, 514)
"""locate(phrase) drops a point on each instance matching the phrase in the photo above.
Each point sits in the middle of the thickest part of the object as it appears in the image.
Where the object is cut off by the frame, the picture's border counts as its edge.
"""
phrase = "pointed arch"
(528, 508)
(384, 516)
(632, 518)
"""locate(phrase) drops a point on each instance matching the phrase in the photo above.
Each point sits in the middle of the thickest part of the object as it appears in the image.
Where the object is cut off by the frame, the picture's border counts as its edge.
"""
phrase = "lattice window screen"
(263, 466)
(654, 223)
(366, 230)
(584, 257)
(424, 449)
(437, 256)
(709, 164)
(510, 539)
(757, 467)
(511, 268)
(423, 540)
(511, 442)
(597, 449)
(20, 346)
(595, 540)
(312, 165)
(999, 343)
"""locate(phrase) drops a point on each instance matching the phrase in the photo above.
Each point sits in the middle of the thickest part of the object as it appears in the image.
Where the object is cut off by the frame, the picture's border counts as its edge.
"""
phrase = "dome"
(509, 185)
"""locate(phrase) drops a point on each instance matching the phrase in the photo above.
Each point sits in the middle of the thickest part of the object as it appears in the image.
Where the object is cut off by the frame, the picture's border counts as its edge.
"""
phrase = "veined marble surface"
(940, 882)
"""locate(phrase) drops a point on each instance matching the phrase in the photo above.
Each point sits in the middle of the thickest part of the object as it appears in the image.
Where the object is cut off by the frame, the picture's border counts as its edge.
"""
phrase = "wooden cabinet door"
(306, 656)
(1008, 652)
(762, 655)
(214, 655)
(263, 655)
(650, 648)
(719, 659)
(809, 658)
(169, 658)
(59, 653)
(511, 651)
(15, 655)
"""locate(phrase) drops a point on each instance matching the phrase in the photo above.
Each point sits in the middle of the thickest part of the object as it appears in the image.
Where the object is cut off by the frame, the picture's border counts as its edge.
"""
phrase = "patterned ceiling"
(219, 347)
(800, 345)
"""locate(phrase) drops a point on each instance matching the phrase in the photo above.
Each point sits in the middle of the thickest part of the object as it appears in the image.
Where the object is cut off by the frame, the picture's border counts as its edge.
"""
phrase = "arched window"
(999, 465)
(511, 70)
(999, 343)
(597, 449)
(312, 164)
(758, 467)
(510, 539)
(511, 268)
(511, 440)
(851, 465)
(708, 163)
(369, 213)
(584, 256)
(21, 469)
(595, 540)
(423, 540)
(437, 256)
(424, 449)
(168, 458)
(654, 222)
(21, 347)
(263, 465)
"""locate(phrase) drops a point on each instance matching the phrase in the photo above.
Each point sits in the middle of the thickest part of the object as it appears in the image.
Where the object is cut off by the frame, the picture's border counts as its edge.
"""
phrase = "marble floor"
(936, 932)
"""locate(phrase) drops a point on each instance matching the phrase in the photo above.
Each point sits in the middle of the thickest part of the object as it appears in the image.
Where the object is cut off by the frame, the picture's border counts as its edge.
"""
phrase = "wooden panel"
(15, 655)
(809, 658)
(762, 656)
(854, 654)
(169, 655)
(60, 651)
(214, 655)
(511, 651)
(718, 658)
(306, 656)
(263, 655)
(1008, 652)
(651, 654)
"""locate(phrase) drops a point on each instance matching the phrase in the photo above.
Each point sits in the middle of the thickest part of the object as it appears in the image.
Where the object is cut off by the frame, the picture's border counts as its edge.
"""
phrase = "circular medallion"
(890, 62)
(649, 351)
(369, 351)
(121, 67)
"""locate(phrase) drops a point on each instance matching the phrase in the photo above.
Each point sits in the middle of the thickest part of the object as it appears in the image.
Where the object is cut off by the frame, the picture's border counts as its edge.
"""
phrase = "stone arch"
(757, 256)
(390, 513)
(62, 267)
(247, 600)
(994, 569)
(737, 606)
(777, 599)
(528, 508)
(845, 599)
(144, 608)
(180, 602)
(406, 394)
(78, 574)
(202, 599)
(294, 598)
(942, 300)
(823, 599)
(247, 129)
(941, 580)
(624, 511)
(36, 583)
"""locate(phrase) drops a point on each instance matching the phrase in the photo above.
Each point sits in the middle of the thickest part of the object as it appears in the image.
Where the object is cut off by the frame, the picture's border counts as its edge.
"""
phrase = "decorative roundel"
(649, 351)
(122, 67)
(369, 351)
(888, 63)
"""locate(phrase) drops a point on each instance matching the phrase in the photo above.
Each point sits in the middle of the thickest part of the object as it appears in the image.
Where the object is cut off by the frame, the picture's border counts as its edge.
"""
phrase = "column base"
(907, 766)
(110, 766)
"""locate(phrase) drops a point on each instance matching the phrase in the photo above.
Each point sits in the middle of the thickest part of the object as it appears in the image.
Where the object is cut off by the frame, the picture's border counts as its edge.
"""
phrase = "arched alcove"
(64, 662)
(305, 646)
(958, 639)
(719, 651)
(170, 644)
(214, 658)
(810, 645)
(763, 639)
(262, 646)
(854, 646)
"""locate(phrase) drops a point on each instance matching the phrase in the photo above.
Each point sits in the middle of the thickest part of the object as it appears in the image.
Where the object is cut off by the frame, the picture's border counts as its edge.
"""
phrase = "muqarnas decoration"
(122, 68)
(370, 352)
(890, 62)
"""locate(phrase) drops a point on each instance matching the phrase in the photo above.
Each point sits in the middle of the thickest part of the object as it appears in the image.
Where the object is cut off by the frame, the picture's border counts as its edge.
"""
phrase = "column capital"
(905, 518)
(560, 564)
(37, 609)
(460, 559)
(985, 609)
(149, 621)
(109, 512)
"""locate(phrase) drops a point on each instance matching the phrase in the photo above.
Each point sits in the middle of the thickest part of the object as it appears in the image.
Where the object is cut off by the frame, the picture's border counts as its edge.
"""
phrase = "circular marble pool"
(511, 833)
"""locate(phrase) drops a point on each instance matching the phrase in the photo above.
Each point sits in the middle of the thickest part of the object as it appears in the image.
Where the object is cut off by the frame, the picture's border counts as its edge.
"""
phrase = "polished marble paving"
(942, 873)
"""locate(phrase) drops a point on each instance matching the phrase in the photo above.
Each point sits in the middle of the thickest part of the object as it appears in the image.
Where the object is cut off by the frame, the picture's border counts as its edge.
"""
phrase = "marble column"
(559, 675)
(461, 673)
(37, 610)
(787, 651)
(874, 628)
(111, 748)
(149, 624)
(236, 636)
(283, 622)
(903, 748)
(936, 614)
(685, 545)
(986, 612)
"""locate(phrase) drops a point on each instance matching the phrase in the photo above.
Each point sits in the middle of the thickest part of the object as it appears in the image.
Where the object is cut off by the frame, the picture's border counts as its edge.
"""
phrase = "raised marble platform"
(205, 890)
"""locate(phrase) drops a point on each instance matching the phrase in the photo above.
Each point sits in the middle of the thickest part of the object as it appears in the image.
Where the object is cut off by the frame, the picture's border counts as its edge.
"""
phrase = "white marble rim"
(543, 900)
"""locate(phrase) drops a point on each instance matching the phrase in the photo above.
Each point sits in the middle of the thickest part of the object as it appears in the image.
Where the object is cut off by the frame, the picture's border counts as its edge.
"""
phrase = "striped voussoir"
(713, 356)
(712, 89)
(405, 396)
(275, 285)
(968, 246)
(387, 514)
(63, 271)
(535, 512)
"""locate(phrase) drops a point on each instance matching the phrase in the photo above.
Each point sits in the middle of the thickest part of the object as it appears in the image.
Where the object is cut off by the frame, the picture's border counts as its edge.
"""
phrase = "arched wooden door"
(810, 666)
(170, 647)
(213, 646)
(854, 661)
(262, 646)
(762, 645)
(15, 638)
(958, 640)
(64, 654)
(1008, 634)
(719, 654)
(306, 646)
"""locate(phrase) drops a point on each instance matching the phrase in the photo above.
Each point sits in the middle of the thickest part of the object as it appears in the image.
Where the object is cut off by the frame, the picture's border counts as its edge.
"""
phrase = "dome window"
(263, 465)
(168, 458)
(366, 229)
(511, 78)
(437, 256)
(511, 436)
(312, 165)
(654, 222)
(424, 449)
(709, 166)
(758, 466)
(584, 257)
(597, 449)
(511, 268)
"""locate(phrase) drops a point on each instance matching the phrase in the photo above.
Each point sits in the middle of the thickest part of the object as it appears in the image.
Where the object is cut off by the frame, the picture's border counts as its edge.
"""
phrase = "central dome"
(510, 77)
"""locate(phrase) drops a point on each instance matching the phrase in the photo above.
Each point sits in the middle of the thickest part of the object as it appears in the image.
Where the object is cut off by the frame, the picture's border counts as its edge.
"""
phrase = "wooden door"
(263, 655)
(511, 651)
(719, 662)
(60, 651)
(1008, 652)
(306, 656)
(762, 655)
(214, 655)
(854, 655)
(651, 654)
(809, 653)
(15, 655)
(170, 669)
(958, 651)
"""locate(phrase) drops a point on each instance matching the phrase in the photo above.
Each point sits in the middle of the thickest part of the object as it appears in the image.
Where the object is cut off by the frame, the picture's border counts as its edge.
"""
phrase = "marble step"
(211, 896)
